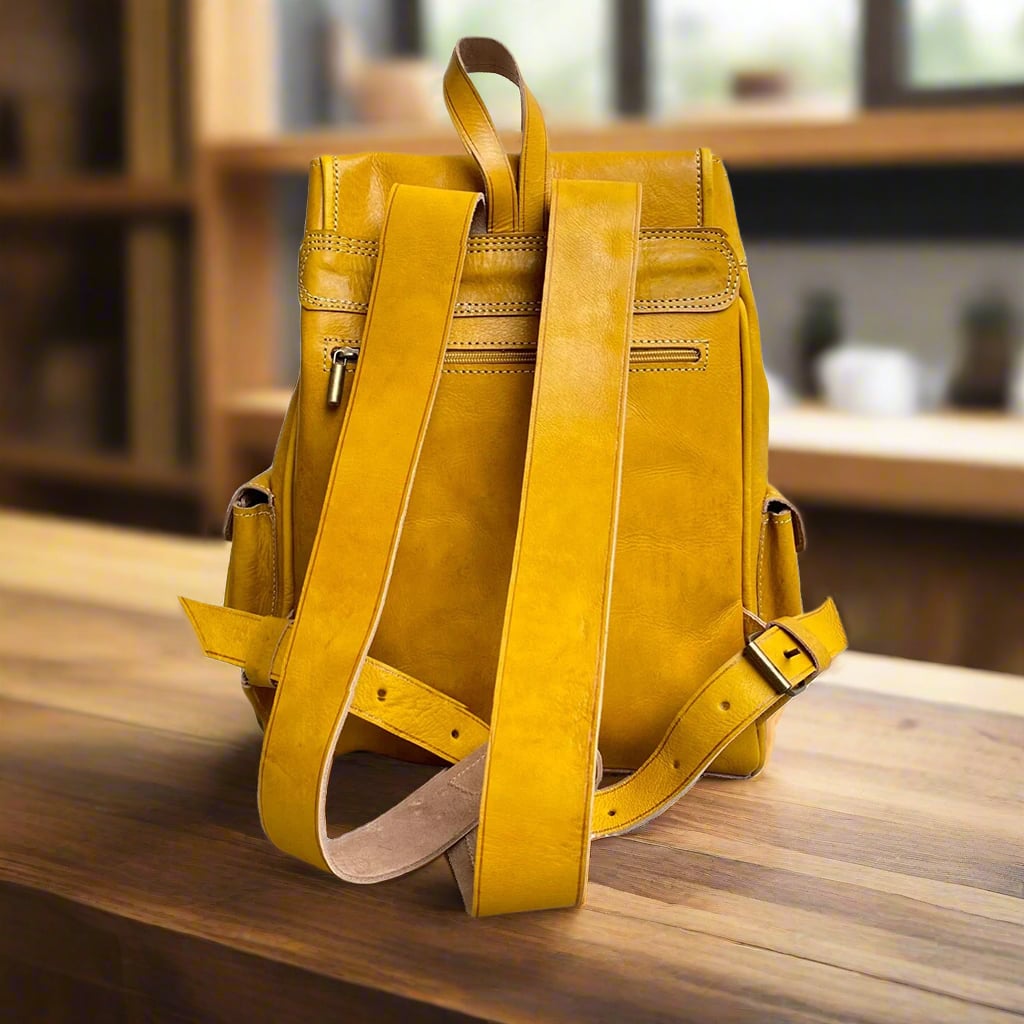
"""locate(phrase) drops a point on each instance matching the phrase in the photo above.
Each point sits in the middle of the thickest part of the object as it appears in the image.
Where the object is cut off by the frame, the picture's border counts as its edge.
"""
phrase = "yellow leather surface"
(384, 696)
(677, 598)
(547, 699)
(719, 711)
(354, 550)
(683, 269)
(701, 536)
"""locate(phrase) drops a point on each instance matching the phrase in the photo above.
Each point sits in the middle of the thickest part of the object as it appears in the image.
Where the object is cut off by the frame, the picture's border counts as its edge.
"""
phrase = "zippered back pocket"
(644, 357)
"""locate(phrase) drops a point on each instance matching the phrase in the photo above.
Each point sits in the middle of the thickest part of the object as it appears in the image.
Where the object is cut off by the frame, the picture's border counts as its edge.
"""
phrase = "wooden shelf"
(28, 460)
(942, 463)
(961, 135)
(90, 196)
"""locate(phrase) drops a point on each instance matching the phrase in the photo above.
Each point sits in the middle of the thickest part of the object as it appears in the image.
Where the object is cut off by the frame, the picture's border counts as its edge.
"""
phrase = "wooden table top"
(874, 873)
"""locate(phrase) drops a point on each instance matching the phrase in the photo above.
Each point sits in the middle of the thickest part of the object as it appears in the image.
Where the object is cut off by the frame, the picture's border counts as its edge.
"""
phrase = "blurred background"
(152, 178)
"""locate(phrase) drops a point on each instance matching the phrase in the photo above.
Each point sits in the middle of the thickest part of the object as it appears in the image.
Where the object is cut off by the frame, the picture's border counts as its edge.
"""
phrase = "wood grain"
(874, 873)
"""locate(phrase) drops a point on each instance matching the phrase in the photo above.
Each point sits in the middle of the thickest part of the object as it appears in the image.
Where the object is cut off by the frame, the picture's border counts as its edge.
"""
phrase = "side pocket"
(251, 526)
(778, 573)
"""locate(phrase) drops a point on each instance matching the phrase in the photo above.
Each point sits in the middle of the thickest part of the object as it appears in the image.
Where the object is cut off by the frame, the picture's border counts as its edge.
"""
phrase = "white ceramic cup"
(871, 379)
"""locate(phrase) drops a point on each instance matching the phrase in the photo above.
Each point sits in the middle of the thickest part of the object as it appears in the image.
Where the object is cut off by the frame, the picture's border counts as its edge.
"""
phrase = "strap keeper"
(771, 672)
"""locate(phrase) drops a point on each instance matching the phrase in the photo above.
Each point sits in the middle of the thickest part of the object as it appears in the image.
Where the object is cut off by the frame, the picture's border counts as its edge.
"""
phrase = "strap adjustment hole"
(381, 693)
(611, 814)
(676, 765)
(725, 705)
(792, 652)
(455, 734)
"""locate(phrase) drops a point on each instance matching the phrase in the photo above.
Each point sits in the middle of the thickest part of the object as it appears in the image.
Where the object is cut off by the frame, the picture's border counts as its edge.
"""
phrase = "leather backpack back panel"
(694, 480)
(518, 517)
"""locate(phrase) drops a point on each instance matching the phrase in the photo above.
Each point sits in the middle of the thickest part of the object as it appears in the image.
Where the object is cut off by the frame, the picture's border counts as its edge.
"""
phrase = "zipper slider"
(340, 358)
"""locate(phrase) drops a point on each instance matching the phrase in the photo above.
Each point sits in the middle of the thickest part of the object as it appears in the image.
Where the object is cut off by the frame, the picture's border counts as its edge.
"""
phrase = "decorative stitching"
(716, 242)
(457, 771)
(700, 186)
(421, 741)
(336, 177)
(667, 369)
(455, 706)
(513, 241)
(760, 562)
(671, 341)
(239, 512)
(482, 372)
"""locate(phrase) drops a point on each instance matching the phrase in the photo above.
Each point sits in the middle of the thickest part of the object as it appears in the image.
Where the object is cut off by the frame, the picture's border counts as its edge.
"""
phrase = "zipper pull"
(340, 358)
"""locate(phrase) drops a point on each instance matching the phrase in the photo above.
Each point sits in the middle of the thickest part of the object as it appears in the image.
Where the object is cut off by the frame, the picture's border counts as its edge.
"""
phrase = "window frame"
(885, 66)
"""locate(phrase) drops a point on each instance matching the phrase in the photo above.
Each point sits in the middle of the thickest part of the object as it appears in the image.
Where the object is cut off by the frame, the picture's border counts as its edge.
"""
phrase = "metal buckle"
(770, 671)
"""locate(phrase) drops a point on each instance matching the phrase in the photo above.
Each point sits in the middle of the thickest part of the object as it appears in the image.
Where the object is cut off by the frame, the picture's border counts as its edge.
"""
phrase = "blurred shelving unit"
(95, 257)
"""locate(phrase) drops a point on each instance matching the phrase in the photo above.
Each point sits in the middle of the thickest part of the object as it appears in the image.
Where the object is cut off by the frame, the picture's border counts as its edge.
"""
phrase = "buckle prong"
(771, 672)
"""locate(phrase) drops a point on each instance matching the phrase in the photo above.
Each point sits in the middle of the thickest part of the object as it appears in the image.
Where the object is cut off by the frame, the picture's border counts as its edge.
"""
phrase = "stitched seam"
(667, 369)
(704, 342)
(482, 372)
(336, 176)
(513, 241)
(457, 773)
(760, 562)
(523, 157)
(388, 726)
(700, 187)
(666, 742)
(513, 346)
(273, 563)
(452, 705)
(252, 513)
(364, 247)
(470, 144)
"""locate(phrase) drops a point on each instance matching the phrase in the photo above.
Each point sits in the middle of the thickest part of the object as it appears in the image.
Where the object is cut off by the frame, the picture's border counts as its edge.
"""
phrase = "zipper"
(343, 356)
(340, 358)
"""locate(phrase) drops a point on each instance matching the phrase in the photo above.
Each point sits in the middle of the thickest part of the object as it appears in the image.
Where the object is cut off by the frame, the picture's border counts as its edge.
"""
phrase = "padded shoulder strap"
(412, 300)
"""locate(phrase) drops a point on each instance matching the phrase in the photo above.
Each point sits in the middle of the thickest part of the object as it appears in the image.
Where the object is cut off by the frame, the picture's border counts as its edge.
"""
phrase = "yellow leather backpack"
(518, 513)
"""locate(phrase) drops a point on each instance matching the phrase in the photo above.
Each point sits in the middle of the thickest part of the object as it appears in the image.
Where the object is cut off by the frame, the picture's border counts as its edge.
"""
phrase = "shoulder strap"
(407, 326)
(547, 699)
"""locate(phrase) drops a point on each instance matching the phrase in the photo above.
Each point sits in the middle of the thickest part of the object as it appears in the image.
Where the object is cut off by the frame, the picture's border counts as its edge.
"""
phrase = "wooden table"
(873, 874)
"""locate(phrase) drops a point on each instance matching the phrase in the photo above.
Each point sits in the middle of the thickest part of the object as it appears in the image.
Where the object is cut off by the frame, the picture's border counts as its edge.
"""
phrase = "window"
(700, 46)
(564, 47)
(966, 42)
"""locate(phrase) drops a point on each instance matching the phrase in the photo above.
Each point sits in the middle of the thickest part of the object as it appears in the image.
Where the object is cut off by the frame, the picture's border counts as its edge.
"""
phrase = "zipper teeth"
(677, 354)
(680, 354)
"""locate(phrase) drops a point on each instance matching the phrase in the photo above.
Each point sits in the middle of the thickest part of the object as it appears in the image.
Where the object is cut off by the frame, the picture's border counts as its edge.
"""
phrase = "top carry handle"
(513, 204)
